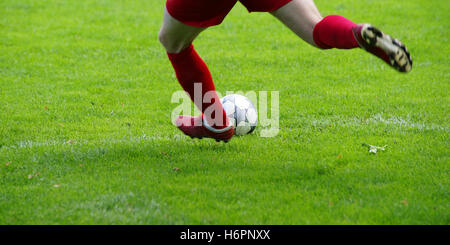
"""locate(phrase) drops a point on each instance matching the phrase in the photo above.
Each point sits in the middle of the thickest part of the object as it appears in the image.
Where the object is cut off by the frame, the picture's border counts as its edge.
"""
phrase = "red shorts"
(204, 13)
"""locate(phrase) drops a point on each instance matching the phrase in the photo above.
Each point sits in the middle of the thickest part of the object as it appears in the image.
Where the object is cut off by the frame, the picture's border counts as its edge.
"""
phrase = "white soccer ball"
(241, 112)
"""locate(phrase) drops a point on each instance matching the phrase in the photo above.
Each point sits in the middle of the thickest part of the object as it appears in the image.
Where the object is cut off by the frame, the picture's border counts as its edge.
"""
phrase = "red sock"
(191, 69)
(335, 31)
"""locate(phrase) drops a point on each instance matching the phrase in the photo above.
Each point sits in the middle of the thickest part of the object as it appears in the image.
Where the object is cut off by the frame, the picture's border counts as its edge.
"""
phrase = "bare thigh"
(176, 36)
(301, 16)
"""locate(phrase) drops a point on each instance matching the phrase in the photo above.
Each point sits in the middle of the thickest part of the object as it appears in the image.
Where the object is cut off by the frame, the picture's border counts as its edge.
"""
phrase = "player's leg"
(190, 69)
(176, 36)
(334, 31)
(301, 16)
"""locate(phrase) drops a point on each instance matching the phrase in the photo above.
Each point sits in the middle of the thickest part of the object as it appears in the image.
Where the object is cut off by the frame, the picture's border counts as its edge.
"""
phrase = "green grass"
(85, 92)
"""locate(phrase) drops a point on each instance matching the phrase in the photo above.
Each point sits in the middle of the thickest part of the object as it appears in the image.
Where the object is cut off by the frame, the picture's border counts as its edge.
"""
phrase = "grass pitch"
(86, 138)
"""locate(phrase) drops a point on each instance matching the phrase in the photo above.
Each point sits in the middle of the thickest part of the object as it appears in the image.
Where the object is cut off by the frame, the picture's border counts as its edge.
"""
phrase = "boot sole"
(398, 54)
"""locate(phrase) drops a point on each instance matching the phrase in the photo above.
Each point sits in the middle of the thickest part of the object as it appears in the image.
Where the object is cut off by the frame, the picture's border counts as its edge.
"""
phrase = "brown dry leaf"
(7, 164)
(70, 142)
(339, 156)
(176, 169)
(30, 176)
(45, 107)
(405, 202)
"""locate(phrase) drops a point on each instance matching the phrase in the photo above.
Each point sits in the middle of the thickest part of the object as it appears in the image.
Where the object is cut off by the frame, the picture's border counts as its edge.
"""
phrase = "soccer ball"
(241, 112)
